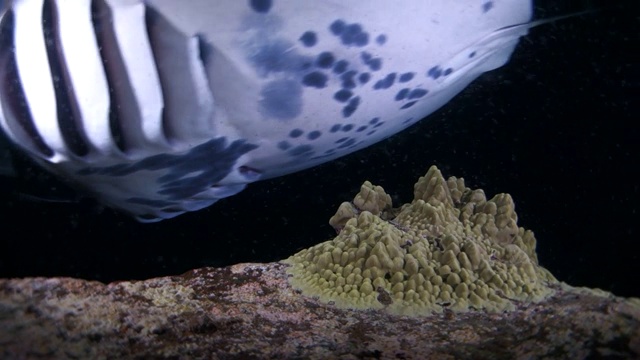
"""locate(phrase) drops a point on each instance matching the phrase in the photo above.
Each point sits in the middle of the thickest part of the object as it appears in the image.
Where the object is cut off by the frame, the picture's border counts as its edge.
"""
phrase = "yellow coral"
(449, 248)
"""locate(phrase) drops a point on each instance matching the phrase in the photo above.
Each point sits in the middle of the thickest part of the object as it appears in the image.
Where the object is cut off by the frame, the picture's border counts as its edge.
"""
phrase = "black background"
(557, 128)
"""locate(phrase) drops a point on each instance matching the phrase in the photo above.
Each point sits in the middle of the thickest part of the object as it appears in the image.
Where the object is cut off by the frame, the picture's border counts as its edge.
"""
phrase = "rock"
(250, 311)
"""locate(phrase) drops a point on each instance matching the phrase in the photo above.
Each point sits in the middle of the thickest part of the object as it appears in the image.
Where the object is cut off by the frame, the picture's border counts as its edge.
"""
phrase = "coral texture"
(449, 248)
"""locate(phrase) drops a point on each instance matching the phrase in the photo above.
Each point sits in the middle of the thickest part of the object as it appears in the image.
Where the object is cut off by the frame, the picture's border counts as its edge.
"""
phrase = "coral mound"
(450, 248)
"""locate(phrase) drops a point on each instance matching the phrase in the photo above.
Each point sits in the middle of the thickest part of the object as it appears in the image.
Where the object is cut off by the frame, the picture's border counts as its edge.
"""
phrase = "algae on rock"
(450, 248)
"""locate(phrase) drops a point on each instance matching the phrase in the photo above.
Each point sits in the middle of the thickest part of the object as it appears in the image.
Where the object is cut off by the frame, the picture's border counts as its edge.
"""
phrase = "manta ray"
(161, 107)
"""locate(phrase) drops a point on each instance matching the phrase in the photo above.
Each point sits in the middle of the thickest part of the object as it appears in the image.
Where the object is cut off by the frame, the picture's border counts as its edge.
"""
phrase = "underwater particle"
(450, 248)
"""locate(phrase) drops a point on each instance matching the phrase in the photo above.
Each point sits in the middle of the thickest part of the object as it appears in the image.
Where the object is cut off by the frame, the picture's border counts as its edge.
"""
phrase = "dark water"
(557, 128)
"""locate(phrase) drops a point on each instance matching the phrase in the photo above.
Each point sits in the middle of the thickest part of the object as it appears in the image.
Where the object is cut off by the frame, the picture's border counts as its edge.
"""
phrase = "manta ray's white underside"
(160, 107)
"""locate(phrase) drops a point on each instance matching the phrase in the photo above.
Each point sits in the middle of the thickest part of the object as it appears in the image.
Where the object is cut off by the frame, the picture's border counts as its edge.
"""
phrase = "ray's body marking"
(160, 107)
